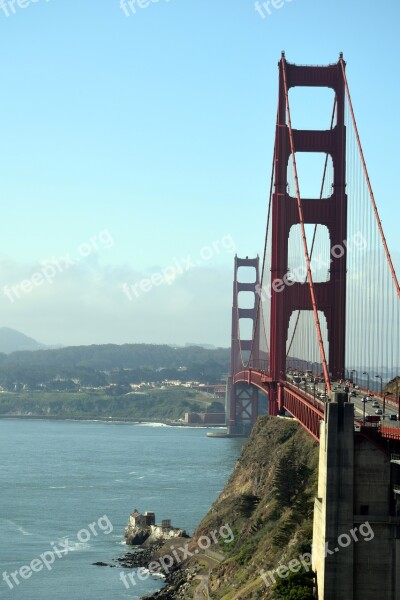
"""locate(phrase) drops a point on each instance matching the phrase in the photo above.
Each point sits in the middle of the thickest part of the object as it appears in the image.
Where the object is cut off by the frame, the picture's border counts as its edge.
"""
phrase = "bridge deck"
(308, 409)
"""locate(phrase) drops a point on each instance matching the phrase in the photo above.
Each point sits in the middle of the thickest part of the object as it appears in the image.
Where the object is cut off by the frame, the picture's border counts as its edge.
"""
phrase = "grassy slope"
(274, 532)
(154, 404)
(393, 387)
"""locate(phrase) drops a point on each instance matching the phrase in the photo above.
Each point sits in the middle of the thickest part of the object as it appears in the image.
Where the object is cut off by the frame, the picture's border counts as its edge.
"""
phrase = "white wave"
(152, 573)
(58, 487)
(72, 546)
(76, 546)
(17, 527)
(152, 425)
(23, 531)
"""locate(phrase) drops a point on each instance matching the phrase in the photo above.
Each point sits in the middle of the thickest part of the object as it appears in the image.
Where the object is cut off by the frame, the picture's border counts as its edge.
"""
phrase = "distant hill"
(107, 357)
(71, 367)
(12, 340)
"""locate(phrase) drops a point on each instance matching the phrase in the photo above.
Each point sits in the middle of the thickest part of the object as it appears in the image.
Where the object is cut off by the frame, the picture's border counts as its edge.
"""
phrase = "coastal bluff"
(267, 504)
(142, 530)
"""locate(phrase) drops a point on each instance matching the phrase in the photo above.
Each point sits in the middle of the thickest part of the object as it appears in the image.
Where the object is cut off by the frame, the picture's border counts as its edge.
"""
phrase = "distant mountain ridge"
(12, 340)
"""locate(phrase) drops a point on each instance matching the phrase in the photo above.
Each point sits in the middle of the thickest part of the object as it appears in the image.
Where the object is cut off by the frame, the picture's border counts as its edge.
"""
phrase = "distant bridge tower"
(242, 399)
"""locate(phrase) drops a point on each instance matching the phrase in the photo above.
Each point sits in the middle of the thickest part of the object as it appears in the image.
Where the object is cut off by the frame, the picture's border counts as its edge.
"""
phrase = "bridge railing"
(309, 398)
(258, 365)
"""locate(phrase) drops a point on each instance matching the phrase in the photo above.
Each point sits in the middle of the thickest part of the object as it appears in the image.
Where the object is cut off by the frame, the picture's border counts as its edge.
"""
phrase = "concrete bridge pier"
(356, 537)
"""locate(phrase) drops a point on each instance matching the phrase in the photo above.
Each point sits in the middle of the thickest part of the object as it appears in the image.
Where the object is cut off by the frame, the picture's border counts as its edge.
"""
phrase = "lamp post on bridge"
(353, 380)
(380, 377)
(384, 402)
(367, 374)
(384, 399)
(364, 403)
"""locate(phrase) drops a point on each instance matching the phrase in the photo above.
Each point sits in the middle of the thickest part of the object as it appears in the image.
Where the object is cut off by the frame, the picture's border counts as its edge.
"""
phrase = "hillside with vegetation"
(95, 366)
(393, 387)
(268, 504)
(153, 404)
(133, 381)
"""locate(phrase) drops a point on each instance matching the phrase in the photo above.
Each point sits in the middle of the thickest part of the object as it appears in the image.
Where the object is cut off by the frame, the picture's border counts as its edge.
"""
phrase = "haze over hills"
(40, 367)
(12, 340)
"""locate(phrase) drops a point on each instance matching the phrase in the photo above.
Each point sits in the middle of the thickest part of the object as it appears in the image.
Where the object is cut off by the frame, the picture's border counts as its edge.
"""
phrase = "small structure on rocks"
(143, 530)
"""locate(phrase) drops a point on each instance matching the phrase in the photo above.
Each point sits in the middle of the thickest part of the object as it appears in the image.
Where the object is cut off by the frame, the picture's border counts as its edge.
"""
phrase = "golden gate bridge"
(325, 299)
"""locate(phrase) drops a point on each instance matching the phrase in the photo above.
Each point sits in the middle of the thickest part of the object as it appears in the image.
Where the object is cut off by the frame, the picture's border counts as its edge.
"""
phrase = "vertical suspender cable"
(371, 193)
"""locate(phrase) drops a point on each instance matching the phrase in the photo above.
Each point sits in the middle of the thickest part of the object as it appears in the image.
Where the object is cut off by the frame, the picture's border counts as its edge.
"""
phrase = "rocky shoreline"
(155, 550)
(174, 580)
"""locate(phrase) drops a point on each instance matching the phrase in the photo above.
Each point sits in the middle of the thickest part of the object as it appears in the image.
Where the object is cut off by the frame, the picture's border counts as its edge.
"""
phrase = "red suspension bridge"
(326, 299)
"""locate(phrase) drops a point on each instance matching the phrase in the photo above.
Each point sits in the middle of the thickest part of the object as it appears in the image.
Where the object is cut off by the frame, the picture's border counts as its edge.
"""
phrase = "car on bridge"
(378, 411)
(375, 404)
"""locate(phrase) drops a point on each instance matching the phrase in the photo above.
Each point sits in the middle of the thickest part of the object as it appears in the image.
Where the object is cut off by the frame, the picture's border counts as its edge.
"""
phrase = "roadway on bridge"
(372, 404)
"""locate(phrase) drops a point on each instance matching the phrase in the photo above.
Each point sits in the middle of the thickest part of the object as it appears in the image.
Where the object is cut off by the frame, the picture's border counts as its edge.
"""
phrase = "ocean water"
(71, 485)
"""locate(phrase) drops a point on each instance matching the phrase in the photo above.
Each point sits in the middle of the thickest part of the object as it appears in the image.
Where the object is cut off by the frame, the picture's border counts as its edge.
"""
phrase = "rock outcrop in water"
(142, 530)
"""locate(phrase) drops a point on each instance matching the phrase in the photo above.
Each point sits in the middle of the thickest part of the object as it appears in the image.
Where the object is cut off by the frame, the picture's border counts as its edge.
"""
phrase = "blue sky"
(158, 128)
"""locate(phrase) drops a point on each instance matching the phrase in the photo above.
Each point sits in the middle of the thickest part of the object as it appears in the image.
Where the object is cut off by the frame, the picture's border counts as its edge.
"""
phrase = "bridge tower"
(242, 399)
(331, 212)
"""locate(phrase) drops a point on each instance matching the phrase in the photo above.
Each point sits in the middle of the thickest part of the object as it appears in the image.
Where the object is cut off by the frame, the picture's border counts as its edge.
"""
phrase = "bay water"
(68, 487)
